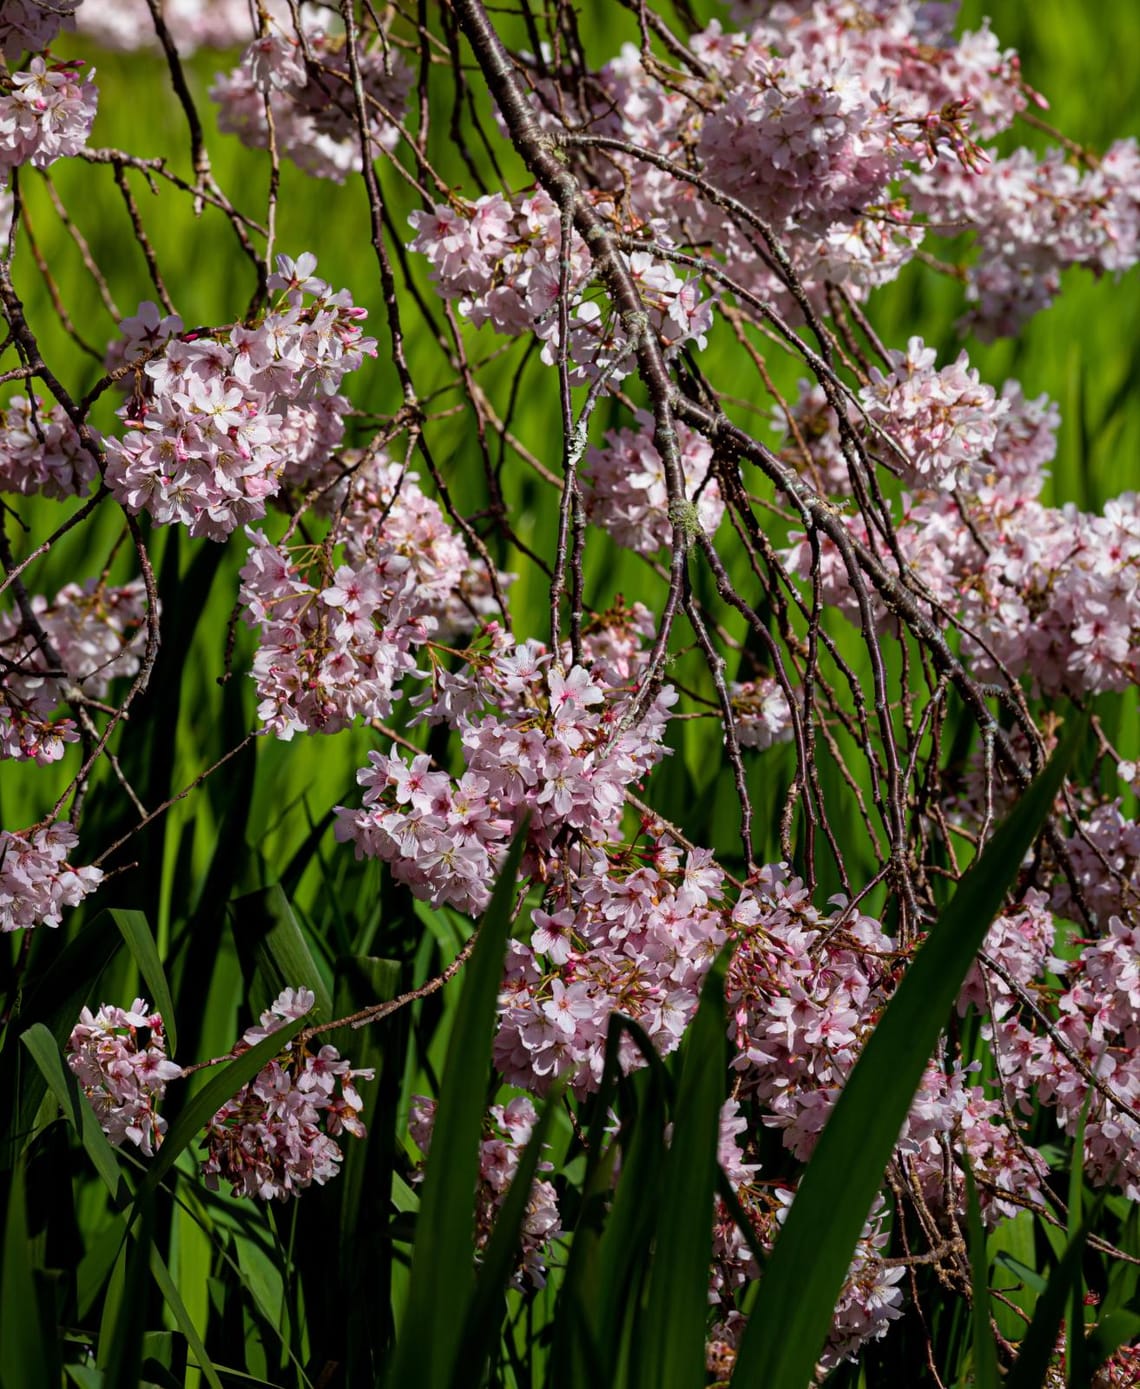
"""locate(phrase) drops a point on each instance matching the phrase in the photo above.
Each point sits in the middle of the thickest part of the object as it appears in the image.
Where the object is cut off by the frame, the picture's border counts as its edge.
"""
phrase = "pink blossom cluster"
(1054, 592)
(40, 451)
(625, 492)
(26, 26)
(803, 989)
(127, 24)
(536, 742)
(119, 1057)
(845, 127)
(869, 1301)
(501, 261)
(732, 1264)
(335, 640)
(1097, 1026)
(209, 432)
(96, 631)
(312, 102)
(814, 118)
(944, 421)
(1050, 592)
(36, 880)
(614, 643)
(1104, 851)
(333, 644)
(804, 992)
(507, 1131)
(1015, 461)
(623, 932)
(278, 1134)
(761, 711)
(950, 1112)
(1021, 941)
(46, 114)
(906, 53)
(379, 505)
(800, 141)
(1033, 218)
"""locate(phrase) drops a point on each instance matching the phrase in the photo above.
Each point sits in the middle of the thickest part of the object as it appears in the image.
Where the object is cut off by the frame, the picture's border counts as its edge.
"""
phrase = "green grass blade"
(124, 1322)
(793, 1309)
(63, 1085)
(985, 1352)
(227, 1081)
(1077, 1370)
(501, 1255)
(623, 1253)
(1035, 1351)
(442, 1273)
(26, 1353)
(1029, 1276)
(672, 1330)
(55, 1000)
(136, 933)
(273, 951)
(173, 1298)
(365, 1181)
(97, 1264)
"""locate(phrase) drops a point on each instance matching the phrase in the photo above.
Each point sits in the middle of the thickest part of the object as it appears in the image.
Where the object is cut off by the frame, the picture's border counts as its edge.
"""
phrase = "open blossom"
(127, 25)
(213, 426)
(507, 1131)
(27, 26)
(37, 882)
(314, 115)
(870, 1299)
(762, 714)
(278, 1134)
(536, 743)
(624, 486)
(40, 451)
(1032, 217)
(944, 421)
(800, 141)
(501, 261)
(339, 628)
(119, 1057)
(97, 632)
(46, 116)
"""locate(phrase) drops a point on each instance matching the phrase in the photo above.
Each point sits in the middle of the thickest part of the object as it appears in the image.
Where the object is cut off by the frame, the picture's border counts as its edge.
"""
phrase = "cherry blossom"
(46, 115)
(37, 882)
(507, 1131)
(314, 118)
(278, 1134)
(28, 26)
(95, 630)
(119, 1057)
(625, 491)
(41, 451)
(208, 433)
